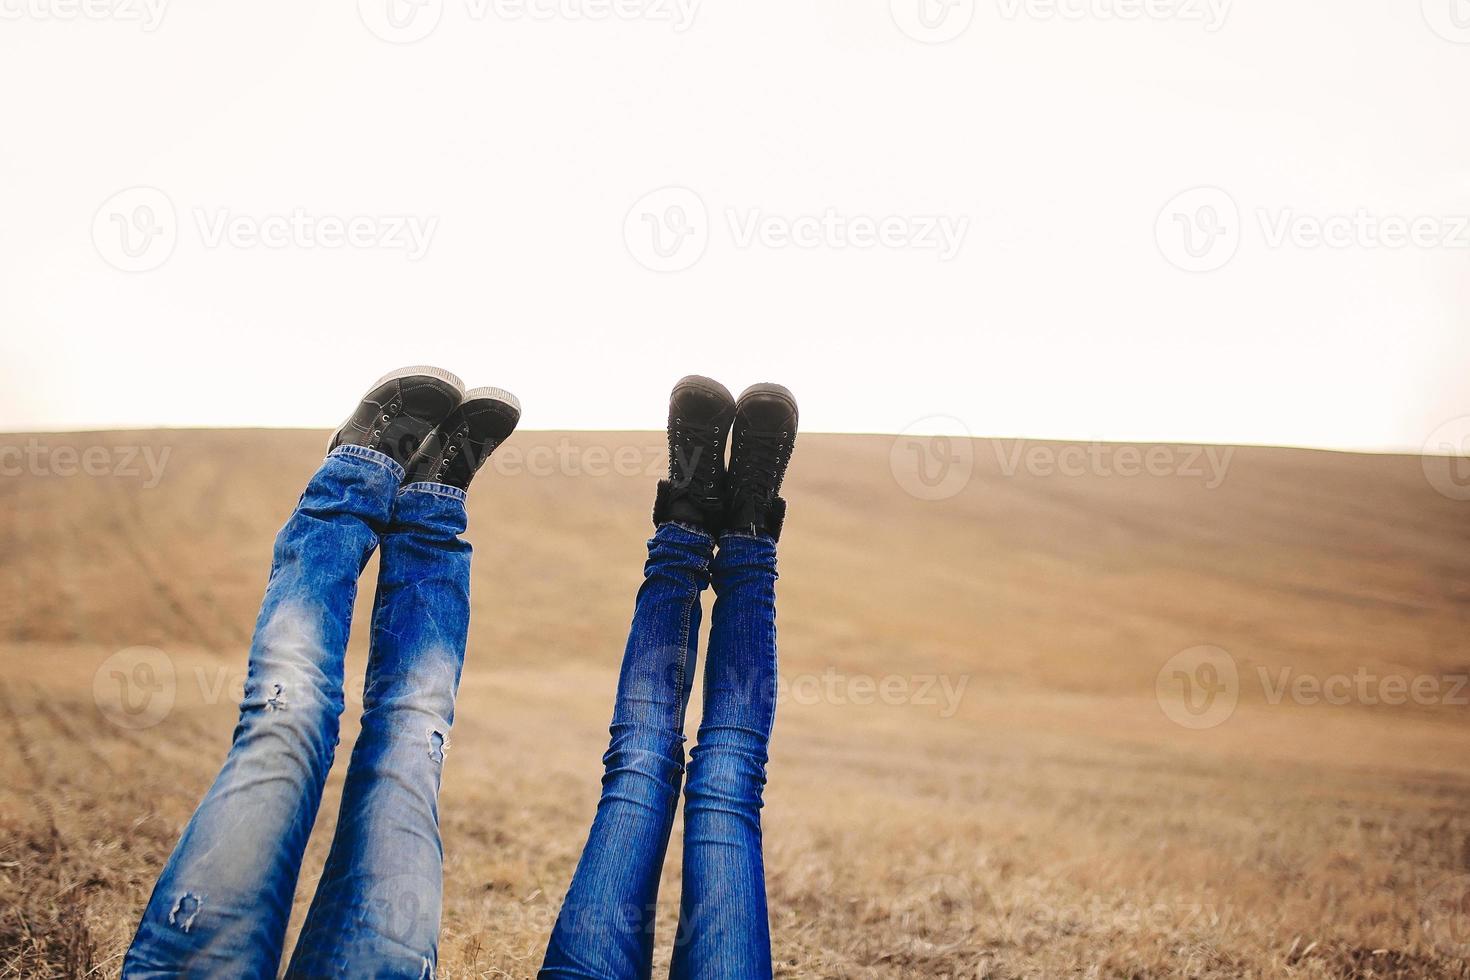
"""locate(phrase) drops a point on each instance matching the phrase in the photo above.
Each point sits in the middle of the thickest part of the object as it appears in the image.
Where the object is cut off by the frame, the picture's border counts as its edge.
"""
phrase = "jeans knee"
(644, 765)
(724, 775)
(414, 710)
(288, 706)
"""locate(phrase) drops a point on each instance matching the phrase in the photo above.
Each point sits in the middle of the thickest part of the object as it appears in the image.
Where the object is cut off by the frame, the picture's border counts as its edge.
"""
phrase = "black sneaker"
(700, 412)
(459, 446)
(765, 434)
(400, 411)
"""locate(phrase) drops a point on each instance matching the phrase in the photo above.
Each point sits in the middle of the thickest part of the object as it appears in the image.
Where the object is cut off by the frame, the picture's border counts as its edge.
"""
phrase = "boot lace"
(694, 458)
(764, 456)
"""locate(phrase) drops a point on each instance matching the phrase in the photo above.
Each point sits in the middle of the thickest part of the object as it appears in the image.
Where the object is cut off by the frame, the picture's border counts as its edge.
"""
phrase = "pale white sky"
(582, 201)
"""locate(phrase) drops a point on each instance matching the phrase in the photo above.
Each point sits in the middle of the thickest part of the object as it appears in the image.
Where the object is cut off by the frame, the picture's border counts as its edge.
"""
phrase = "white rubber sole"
(427, 370)
(493, 394)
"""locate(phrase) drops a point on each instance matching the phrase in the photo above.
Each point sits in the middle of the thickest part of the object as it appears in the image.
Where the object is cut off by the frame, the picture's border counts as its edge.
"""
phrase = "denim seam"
(690, 600)
(437, 489)
(372, 456)
(690, 528)
(746, 535)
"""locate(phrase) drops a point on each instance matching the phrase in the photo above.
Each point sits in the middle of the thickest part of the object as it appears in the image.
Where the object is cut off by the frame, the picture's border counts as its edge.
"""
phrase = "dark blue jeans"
(605, 929)
(222, 903)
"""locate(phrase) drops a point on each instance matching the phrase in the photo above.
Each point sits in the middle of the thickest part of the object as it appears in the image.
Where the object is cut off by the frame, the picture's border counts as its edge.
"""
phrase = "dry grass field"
(1017, 804)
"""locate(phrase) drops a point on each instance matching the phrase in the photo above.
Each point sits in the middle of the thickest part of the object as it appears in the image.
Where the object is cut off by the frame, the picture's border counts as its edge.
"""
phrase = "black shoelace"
(694, 455)
(764, 456)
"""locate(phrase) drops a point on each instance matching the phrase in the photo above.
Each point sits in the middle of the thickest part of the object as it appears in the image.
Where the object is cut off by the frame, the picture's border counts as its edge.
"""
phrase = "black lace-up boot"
(764, 436)
(459, 446)
(400, 410)
(700, 411)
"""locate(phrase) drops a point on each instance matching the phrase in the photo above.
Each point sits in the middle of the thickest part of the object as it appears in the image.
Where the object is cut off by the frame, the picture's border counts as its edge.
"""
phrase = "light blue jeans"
(605, 928)
(222, 903)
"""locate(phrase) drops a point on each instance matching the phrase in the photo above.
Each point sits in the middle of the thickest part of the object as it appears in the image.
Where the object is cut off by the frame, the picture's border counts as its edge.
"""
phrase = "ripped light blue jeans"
(222, 903)
(605, 927)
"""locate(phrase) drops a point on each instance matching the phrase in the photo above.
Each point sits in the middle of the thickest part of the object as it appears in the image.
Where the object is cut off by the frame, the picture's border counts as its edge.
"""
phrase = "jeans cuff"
(439, 489)
(748, 536)
(704, 536)
(372, 456)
